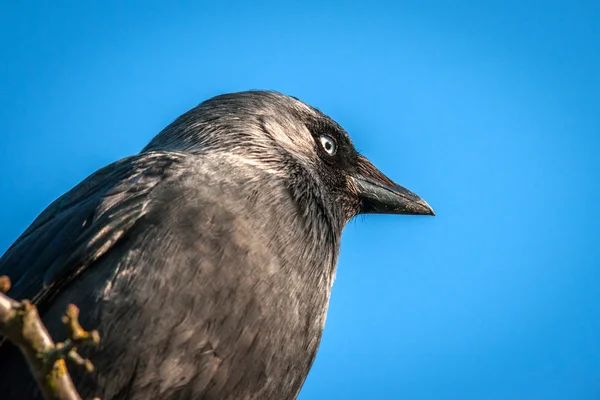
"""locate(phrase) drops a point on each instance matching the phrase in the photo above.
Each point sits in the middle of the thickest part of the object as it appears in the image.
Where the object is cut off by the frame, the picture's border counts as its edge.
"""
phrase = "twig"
(21, 324)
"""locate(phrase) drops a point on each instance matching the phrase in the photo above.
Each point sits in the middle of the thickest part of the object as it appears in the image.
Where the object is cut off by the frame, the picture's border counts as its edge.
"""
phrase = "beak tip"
(427, 209)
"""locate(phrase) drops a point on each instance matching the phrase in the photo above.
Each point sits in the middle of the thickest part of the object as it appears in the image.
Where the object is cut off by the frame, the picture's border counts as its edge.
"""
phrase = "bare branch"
(21, 324)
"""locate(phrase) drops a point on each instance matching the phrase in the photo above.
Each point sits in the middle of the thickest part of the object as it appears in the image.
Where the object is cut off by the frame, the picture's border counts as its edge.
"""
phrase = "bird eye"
(328, 144)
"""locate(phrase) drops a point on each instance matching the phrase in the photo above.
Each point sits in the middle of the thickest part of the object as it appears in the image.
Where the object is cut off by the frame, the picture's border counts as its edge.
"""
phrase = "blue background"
(489, 110)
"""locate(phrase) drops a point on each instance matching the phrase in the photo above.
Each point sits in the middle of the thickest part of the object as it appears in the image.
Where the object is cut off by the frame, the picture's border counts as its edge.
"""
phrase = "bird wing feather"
(82, 225)
(145, 203)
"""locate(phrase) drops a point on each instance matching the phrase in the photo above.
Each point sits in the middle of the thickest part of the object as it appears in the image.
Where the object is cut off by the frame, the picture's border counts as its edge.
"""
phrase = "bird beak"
(380, 195)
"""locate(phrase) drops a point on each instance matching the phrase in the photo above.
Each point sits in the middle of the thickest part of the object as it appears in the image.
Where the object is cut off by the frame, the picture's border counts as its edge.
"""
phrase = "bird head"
(293, 141)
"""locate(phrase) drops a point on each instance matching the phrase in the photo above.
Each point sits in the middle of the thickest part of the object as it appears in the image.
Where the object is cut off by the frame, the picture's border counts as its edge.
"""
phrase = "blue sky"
(488, 110)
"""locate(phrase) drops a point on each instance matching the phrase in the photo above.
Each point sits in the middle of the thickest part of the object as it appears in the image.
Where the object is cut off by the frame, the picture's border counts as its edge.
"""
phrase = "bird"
(205, 261)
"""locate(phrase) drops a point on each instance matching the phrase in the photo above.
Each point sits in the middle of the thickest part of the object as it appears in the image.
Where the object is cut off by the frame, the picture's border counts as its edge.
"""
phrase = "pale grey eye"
(328, 144)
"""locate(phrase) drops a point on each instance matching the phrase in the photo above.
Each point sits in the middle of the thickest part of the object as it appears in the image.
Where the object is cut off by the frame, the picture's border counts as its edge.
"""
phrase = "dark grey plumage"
(206, 261)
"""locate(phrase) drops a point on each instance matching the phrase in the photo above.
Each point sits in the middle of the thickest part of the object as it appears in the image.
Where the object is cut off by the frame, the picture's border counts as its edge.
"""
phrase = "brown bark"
(21, 324)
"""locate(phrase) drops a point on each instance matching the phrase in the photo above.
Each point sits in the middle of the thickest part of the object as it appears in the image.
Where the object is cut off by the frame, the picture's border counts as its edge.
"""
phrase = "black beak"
(380, 195)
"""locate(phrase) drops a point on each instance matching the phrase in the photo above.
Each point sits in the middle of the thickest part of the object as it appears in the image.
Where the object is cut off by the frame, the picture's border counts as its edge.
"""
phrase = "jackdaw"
(205, 261)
